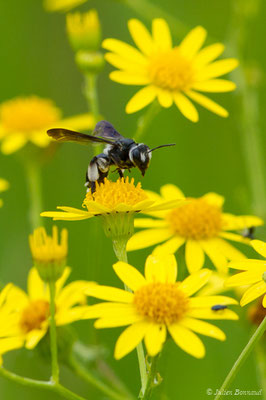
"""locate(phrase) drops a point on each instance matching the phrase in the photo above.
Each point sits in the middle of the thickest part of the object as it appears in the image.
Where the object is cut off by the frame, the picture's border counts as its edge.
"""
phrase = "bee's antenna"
(162, 145)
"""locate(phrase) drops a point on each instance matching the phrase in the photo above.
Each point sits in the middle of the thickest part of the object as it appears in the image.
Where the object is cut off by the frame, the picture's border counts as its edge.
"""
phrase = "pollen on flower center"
(161, 302)
(28, 114)
(196, 220)
(33, 315)
(171, 70)
(110, 194)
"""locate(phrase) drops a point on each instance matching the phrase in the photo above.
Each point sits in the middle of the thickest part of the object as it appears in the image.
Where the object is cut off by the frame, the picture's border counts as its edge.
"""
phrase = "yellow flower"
(25, 119)
(199, 223)
(49, 255)
(158, 304)
(84, 30)
(62, 5)
(24, 317)
(120, 197)
(173, 74)
(4, 185)
(254, 274)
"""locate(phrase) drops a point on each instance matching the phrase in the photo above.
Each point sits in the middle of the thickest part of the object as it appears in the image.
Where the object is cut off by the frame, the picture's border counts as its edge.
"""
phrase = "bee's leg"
(98, 170)
(121, 172)
(92, 187)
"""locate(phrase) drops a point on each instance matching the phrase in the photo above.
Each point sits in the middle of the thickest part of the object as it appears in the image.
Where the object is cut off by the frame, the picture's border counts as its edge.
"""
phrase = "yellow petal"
(122, 63)
(8, 344)
(141, 36)
(253, 293)
(129, 78)
(171, 192)
(264, 301)
(129, 275)
(40, 139)
(155, 338)
(230, 252)
(37, 289)
(187, 340)
(209, 301)
(207, 103)
(61, 281)
(244, 278)
(186, 107)
(123, 319)
(149, 223)
(213, 251)
(4, 185)
(73, 293)
(259, 247)
(33, 338)
(208, 54)
(65, 216)
(68, 315)
(169, 247)
(214, 86)
(161, 34)
(109, 293)
(234, 237)
(161, 268)
(125, 50)
(73, 210)
(194, 282)
(210, 314)
(194, 40)
(130, 338)
(248, 265)
(218, 68)
(204, 328)
(214, 199)
(194, 256)
(78, 122)
(141, 99)
(233, 222)
(165, 97)
(147, 238)
(13, 143)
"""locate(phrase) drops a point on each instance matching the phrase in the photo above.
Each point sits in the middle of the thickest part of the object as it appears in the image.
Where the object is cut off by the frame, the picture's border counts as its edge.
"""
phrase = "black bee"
(119, 151)
(219, 307)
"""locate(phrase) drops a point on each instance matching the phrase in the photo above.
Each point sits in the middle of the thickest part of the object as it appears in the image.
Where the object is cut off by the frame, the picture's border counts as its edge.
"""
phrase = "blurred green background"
(36, 59)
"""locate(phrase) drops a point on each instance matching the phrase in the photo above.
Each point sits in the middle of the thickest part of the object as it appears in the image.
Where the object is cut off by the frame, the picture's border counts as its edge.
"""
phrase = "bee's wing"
(65, 135)
(105, 129)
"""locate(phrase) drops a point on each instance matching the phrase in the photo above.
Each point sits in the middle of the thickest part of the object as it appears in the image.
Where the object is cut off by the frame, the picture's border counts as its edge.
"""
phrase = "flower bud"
(84, 31)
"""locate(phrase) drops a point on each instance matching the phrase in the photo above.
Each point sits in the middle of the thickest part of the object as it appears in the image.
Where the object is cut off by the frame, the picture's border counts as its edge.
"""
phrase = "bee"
(121, 152)
(219, 307)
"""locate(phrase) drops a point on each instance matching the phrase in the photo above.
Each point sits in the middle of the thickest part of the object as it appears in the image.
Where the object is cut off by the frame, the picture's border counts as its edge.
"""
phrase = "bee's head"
(140, 156)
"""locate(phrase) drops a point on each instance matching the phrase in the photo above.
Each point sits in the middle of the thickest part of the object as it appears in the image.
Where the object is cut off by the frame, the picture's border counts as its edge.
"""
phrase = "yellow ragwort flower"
(4, 185)
(61, 5)
(24, 317)
(118, 197)
(173, 74)
(26, 119)
(158, 304)
(254, 274)
(200, 223)
(48, 253)
(84, 30)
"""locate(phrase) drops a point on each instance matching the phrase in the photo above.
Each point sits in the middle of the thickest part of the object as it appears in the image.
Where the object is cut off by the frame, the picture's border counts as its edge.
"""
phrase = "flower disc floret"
(197, 219)
(161, 302)
(111, 194)
(34, 315)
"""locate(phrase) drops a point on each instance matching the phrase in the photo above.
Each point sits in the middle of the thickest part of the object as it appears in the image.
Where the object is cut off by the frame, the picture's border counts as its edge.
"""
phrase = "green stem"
(50, 386)
(151, 383)
(92, 94)
(84, 374)
(121, 253)
(145, 120)
(260, 353)
(55, 367)
(242, 358)
(33, 176)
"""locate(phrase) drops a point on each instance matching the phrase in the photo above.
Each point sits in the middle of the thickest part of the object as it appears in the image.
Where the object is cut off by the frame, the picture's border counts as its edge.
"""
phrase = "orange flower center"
(196, 220)
(28, 114)
(33, 315)
(171, 70)
(110, 194)
(161, 302)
